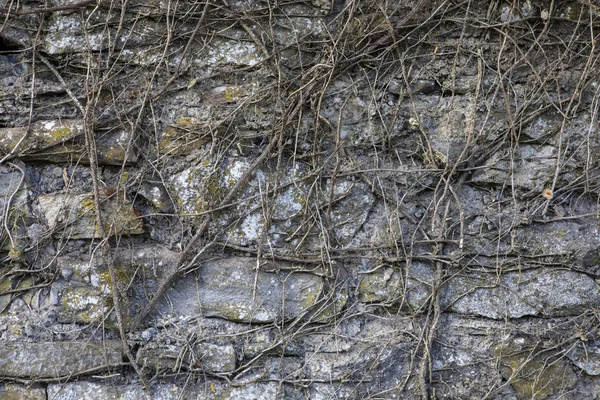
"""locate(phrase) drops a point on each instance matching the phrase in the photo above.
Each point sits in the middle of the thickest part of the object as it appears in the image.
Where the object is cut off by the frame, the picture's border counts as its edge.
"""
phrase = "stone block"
(62, 141)
(204, 356)
(101, 391)
(532, 166)
(263, 391)
(81, 32)
(383, 285)
(537, 292)
(586, 355)
(57, 359)
(74, 216)
(215, 358)
(19, 392)
(533, 376)
(233, 289)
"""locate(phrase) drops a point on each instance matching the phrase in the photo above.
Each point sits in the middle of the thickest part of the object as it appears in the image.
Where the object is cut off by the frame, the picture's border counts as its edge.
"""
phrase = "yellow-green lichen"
(102, 279)
(532, 377)
(571, 10)
(232, 312)
(83, 304)
(196, 190)
(112, 154)
(333, 307)
(228, 94)
(381, 285)
(186, 135)
(5, 286)
(311, 295)
(15, 254)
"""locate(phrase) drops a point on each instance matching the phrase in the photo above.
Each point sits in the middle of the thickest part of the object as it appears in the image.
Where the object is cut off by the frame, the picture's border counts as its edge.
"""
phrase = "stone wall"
(252, 199)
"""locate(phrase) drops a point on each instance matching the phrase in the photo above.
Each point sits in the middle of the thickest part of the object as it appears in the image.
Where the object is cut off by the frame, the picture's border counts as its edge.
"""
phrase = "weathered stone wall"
(304, 200)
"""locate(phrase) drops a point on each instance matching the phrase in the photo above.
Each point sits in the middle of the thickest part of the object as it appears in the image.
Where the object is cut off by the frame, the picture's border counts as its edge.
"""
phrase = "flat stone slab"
(586, 355)
(75, 215)
(536, 292)
(205, 356)
(62, 141)
(43, 134)
(529, 172)
(57, 359)
(22, 392)
(164, 391)
(233, 289)
(100, 391)
(532, 376)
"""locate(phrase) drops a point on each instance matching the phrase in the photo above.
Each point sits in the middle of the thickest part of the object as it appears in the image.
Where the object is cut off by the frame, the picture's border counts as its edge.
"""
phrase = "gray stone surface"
(531, 167)
(233, 289)
(542, 292)
(203, 356)
(74, 216)
(267, 391)
(100, 391)
(58, 359)
(586, 355)
(12, 391)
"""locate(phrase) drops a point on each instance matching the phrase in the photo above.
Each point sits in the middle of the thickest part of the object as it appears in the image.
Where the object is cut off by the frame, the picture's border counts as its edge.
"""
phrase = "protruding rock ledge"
(43, 134)
(233, 289)
(205, 356)
(97, 391)
(12, 391)
(58, 359)
(75, 216)
(536, 292)
(60, 141)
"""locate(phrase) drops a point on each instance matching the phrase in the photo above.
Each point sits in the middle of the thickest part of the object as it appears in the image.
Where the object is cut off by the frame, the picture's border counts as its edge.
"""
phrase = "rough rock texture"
(56, 360)
(234, 289)
(312, 199)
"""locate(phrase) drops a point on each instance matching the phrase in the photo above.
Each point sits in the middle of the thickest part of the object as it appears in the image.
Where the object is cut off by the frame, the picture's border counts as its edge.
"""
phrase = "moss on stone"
(532, 377)
(43, 134)
(83, 304)
(333, 307)
(186, 135)
(5, 285)
(381, 285)
(16, 392)
(195, 190)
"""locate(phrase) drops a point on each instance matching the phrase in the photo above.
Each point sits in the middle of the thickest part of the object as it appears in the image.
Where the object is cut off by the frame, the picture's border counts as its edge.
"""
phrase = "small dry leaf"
(192, 83)
(547, 193)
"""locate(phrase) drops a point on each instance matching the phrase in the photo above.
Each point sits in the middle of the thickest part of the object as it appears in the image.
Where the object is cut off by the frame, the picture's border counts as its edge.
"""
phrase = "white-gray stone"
(586, 355)
(539, 292)
(57, 359)
(233, 289)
